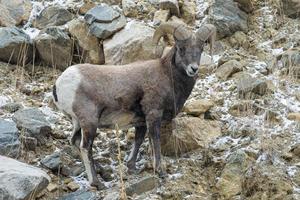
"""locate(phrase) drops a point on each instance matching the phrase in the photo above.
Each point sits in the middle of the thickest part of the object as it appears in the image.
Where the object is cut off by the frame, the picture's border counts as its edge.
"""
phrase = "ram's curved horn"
(207, 32)
(179, 31)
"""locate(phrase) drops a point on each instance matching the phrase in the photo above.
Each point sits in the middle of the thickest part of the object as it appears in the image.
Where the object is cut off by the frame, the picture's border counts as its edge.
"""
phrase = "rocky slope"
(238, 134)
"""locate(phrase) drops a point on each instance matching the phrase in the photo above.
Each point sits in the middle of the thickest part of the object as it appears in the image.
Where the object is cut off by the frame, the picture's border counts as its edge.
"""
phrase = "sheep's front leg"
(140, 133)
(88, 135)
(153, 124)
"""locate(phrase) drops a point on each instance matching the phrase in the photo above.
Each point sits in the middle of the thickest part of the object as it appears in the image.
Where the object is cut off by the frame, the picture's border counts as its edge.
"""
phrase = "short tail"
(54, 93)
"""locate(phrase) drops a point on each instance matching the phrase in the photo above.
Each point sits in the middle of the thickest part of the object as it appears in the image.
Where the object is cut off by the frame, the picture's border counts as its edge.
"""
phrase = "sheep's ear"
(207, 33)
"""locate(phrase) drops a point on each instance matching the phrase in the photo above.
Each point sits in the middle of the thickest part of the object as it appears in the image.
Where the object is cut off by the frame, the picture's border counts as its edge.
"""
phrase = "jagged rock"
(142, 186)
(291, 8)
(89, 47)
(188, 133)
(52, 16)
(12, 107)
(188, 11)
(294, 117)
(228, 68)
(20, 181)
(52, 161)
(231, 179)
(245, 5)
(54, 47)
(140, 9)
(80, 195)
(9, 139)
(249, 87)
(266, 181)
(14, 12)
(104, 21)
(161, 16)
(198, 107)
(228, 18)
(171, 5)
(73, 186)
(34, 124)
(131, 44)
(15, 46)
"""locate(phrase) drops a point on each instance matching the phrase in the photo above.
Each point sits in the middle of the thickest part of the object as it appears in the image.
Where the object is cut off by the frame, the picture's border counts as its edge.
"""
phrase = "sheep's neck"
(182, 85)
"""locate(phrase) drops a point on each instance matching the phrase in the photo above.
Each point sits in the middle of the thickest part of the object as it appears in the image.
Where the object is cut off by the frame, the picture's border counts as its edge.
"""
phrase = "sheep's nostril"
(194, 68)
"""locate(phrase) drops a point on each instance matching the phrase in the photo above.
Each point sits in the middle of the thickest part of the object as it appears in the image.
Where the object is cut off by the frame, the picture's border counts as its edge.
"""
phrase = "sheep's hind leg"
(138, 140)
(76, 134)
(88, 136)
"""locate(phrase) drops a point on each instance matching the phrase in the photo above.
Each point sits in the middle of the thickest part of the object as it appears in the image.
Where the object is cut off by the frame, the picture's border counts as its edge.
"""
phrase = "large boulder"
(188, 133)
(291, 8)
(9, 139)
(52, 16)
(19, 181)
(33, 123)
(15, 46)
(14, 12)
(88, 46)
(55, 47)
(228, 18)
(198, 107)
(104, 21)
(132, 43)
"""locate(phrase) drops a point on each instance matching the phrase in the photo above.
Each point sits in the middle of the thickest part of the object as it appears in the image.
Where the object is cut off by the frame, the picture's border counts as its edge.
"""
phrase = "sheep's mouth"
(191, 73)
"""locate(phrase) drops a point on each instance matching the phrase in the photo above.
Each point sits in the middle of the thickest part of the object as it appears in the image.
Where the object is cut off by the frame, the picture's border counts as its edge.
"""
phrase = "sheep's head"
(188, 45)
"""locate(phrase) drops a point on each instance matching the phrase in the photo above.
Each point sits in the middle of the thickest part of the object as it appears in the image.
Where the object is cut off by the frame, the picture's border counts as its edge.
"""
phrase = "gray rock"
(19, 181)
(80, 195)
(54, 47)
(102, 14)
(291, 8)
(228, 18)
(142, 186)
(52, 16)
(131, 44)
(9, 140)
(228, 68)
(34, 124)
(248, 88)
(13, 43)
(104, 30)
(52, 161)
(104, 21)
(12, 107)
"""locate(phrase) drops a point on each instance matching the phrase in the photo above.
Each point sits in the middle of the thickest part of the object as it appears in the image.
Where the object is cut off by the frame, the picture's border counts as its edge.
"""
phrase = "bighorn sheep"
(140, 94)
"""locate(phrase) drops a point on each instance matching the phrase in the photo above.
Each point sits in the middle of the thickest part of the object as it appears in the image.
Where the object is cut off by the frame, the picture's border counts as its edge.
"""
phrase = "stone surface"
(13, 43)
(142, 186)
(52, 16)
(294, 117)
(291, 8)
(188, 133)
(140, 9)
(20, 181)
(34, 124)
(228, 68)
(290, 61)
(230, 182)
(198, 107)
(9, 139)
(12, 107)
(188, 11)
(80, 195)
(131, 44)
(104, 21)
(228, 18)
(52, 161)
(171, 5)
(89, 48)
(249, 88)
(54, 47)
(73, 186)
(14, 12)
(245, 5)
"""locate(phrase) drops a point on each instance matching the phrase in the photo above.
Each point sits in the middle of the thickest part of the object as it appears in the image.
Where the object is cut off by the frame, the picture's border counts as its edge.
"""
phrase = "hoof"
(99, 185)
